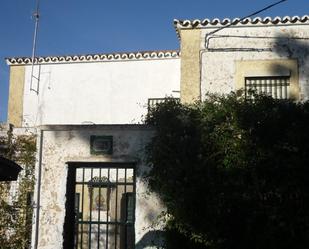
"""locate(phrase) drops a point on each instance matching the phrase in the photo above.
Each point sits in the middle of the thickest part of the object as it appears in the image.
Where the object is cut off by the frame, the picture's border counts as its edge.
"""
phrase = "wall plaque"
(101, 145)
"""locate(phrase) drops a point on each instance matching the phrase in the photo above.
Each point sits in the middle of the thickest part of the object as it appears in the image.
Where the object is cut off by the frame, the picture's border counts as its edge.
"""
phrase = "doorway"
(100, 206)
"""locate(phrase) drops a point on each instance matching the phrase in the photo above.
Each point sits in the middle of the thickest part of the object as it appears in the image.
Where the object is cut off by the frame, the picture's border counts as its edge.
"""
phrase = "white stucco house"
(87, 111)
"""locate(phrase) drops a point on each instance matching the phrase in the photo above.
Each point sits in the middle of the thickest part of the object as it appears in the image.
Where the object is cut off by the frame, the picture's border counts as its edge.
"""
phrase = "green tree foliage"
(16, 212)
(233, 174)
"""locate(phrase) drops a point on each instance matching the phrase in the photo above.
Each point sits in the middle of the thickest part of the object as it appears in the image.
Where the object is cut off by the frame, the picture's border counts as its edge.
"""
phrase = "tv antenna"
(36, 16)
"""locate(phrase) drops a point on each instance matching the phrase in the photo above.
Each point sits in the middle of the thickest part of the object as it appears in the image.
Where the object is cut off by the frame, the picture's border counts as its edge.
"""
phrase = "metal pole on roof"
(36, 16)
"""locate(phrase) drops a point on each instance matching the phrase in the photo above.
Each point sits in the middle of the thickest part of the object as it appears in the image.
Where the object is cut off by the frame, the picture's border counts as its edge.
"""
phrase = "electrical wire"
(241, 19)
(229, 25)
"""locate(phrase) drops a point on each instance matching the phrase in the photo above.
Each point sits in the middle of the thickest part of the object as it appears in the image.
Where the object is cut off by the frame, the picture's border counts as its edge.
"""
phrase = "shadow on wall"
(128, 147)
(152, 239)
(284, 47)
(295, 48)
(129, 143)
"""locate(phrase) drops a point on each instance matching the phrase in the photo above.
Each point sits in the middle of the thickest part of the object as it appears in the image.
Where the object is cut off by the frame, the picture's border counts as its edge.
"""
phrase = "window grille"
(277, 86)
(152, 102)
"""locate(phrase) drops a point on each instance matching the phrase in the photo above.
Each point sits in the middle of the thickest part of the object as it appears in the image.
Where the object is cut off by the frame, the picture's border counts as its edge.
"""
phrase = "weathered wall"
(112, 92)
(63, 144)
(264, 45)
(16, 91)
(190, 87)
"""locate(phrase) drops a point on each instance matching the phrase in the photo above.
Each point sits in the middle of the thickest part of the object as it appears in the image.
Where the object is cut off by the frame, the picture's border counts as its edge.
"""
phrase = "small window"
(276, 78)
(152, 102)
(275, 86)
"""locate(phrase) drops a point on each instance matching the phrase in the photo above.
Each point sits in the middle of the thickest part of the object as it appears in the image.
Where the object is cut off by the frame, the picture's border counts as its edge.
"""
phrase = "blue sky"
(96, 26)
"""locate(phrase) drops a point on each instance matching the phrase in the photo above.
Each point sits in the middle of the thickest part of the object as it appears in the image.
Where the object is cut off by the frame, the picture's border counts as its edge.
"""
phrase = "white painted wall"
(114, 92)
(269, 42)
(63, 144)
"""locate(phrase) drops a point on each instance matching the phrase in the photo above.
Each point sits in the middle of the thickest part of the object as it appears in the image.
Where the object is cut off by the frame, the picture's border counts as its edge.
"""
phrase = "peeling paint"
(73, 144)
(260, 44)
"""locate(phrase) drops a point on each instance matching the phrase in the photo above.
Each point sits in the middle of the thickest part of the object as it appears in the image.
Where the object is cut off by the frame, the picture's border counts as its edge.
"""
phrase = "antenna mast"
(36, 16)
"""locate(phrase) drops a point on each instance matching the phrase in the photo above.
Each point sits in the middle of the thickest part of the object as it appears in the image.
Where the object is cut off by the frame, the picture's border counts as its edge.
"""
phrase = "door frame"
(69, 221)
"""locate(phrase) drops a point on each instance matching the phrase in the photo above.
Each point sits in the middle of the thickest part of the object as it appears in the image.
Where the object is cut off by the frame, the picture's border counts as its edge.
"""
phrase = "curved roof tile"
(237, 21)
(145, 55)
(216, 23)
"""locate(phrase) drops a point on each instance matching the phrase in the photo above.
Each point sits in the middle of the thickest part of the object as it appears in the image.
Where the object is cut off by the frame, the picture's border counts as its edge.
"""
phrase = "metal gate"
(104, 205)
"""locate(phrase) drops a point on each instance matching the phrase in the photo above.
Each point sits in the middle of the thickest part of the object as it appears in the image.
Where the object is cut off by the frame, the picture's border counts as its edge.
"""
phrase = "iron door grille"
(276, 86)
(104, 207)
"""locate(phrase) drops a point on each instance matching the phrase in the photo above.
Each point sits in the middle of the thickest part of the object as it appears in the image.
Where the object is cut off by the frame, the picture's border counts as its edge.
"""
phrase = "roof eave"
(129, 56)
(207, 23)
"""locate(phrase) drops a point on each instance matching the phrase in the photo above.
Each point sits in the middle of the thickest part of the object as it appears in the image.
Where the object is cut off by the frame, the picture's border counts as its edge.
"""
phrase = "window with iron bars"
(152, 102)
(275, 86)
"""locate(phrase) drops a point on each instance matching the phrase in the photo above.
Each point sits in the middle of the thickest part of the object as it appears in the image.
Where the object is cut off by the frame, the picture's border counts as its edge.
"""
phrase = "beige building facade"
(220, 56)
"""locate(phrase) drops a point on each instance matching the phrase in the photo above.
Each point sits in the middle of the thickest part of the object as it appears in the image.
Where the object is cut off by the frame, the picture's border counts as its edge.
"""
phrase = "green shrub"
(16, 213)
(233, 174)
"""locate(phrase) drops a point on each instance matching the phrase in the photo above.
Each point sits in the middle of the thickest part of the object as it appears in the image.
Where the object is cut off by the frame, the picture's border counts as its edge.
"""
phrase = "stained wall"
(267, 50)
(62, 145)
